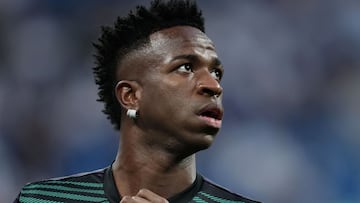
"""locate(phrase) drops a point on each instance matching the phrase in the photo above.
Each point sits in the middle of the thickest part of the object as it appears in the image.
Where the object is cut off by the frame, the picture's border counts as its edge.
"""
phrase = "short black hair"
(130, 33)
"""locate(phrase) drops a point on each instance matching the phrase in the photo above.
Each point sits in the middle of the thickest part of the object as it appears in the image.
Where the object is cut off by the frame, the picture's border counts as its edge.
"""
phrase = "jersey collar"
(185, 196)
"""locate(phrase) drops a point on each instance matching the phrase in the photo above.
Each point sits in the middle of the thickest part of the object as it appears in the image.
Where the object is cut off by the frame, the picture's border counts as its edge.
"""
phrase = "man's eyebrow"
(192, 57)
(217, 62)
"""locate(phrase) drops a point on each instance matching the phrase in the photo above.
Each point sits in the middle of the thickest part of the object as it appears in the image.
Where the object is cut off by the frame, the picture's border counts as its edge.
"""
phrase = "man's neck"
(138, 167)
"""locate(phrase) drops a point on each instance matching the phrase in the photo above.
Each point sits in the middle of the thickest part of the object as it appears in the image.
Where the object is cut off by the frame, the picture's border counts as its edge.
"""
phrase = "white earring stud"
(131, 113)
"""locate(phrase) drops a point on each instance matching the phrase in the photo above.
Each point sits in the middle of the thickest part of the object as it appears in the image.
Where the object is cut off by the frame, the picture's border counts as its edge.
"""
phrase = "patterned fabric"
(60, 191)
(99, 186)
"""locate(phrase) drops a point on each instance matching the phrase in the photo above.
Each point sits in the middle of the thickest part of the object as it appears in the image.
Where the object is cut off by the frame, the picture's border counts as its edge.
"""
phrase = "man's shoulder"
(78, 187)
(212, 192)
(86, 179)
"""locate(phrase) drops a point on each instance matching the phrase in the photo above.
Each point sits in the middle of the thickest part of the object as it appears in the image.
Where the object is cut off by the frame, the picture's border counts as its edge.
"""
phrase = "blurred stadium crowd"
(292, 93)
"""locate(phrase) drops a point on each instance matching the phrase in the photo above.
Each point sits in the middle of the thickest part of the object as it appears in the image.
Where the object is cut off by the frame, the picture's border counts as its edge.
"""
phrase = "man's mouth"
(212, 115)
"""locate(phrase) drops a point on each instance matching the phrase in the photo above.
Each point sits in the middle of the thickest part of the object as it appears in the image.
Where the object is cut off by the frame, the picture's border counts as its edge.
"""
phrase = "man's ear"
(128, 94)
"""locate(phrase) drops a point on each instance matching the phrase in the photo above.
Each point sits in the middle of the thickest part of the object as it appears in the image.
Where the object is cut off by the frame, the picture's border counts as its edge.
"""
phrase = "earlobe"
(128, 94)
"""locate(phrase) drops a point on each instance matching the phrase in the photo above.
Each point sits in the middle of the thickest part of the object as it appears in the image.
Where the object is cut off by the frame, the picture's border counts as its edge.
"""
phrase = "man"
(159, 78)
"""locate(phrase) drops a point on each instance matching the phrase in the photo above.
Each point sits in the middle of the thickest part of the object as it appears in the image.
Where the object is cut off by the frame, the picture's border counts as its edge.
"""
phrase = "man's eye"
(185, 68)
(217, 74)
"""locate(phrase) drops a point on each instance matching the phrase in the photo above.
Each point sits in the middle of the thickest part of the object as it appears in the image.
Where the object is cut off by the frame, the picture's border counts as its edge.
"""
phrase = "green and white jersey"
(99, 186)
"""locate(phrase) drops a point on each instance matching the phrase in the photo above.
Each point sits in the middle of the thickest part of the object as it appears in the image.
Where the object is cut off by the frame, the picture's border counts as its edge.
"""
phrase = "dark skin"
(174, 83)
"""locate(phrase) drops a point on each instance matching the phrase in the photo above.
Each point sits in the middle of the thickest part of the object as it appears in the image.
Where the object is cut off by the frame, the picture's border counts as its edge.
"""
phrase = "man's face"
(181, 97)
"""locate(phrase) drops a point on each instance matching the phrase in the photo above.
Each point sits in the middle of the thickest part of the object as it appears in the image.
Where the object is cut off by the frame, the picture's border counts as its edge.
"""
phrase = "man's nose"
(208, 85)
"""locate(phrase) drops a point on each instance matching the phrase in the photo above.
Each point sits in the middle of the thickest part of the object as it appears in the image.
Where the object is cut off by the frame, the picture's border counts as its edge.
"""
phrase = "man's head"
(167, 69)
(131, 33)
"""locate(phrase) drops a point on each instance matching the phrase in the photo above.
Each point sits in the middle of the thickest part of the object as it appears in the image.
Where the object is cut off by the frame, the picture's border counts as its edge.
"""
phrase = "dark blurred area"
(291, 94)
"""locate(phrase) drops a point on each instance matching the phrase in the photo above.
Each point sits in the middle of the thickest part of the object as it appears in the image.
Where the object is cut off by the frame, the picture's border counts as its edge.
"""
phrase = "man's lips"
(212, 114)
(211, 121)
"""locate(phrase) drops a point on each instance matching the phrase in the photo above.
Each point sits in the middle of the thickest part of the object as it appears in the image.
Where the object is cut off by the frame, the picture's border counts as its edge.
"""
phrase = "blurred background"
(291, 130)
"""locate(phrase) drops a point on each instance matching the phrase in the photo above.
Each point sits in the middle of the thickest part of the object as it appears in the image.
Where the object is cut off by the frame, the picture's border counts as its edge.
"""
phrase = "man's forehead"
(179, 35)
(165, 45)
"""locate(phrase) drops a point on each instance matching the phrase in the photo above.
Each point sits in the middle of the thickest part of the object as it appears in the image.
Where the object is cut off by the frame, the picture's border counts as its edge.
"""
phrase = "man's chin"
(209, 139)
(206, 141)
